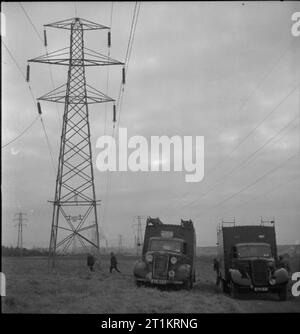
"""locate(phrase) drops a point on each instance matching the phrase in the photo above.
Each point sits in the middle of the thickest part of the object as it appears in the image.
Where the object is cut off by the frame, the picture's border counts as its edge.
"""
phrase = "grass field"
(71, 288)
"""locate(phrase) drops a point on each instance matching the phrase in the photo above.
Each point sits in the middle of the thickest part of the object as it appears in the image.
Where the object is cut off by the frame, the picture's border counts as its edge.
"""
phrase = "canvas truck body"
(168, 254)
(247, 257)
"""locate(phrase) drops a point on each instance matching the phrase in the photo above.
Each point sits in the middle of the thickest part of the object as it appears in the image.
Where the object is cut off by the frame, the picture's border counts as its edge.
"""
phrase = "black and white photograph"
(150, 160)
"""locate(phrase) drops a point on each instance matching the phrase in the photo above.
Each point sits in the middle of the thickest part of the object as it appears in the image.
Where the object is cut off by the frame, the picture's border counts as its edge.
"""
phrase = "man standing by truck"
(217, 270)
(284, 263)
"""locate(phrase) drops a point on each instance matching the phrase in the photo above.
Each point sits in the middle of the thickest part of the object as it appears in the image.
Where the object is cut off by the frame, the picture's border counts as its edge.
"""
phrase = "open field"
(70, 288)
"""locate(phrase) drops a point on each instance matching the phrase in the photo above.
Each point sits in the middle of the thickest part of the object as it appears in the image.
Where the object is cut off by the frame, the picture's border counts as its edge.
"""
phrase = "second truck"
(247, 260)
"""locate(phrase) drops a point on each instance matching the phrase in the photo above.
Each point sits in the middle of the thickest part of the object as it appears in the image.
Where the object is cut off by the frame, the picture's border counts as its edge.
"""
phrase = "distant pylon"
(120, 243)
(139, 234)
(75, 201)
(20, 218)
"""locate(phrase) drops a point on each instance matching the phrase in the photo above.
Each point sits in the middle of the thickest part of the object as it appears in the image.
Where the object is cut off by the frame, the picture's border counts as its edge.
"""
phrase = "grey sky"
(193, 71)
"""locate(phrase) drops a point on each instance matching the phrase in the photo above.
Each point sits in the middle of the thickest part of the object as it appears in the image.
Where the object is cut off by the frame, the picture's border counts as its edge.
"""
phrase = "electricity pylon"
(20, 218)
(75, 198)
(139, 234)
(120, 243)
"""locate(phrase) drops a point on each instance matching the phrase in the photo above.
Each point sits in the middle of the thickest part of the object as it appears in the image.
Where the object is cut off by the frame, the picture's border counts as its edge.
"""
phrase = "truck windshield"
(254, 251)
(165, 245)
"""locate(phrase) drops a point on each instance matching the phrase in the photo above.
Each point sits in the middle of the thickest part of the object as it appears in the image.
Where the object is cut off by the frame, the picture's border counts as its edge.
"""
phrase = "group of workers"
(91, 260)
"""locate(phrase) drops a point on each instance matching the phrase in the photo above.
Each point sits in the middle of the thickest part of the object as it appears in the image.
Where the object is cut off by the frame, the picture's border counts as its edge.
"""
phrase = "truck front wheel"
(138, 283)
(283, 293)
(188, 284)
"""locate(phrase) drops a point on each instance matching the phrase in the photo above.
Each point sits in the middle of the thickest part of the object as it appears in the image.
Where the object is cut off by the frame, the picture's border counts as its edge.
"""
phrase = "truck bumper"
(159, 281)
(259, 289)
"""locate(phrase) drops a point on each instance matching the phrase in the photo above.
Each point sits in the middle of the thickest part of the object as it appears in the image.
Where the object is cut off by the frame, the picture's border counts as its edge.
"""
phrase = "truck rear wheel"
(283, 293)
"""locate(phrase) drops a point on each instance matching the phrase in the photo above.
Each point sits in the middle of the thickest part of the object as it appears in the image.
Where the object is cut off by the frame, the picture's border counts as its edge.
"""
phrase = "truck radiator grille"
(160, 267)
(259, 272)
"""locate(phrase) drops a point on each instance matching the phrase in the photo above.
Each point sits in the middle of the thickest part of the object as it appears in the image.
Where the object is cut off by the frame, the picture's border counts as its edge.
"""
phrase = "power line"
(14, 59)
(121, 90)
(267, 74)
(48, 144)
(250, 95)
(19, 68)
(21, 134)
(33, 26)
(34, 99)
(105, 126)
(245, 161)
(107, 78)
(127, 58)
(270, 190)
(255, 182)
(132, 40)
(248, 98)
(46, 48)
(254, 129)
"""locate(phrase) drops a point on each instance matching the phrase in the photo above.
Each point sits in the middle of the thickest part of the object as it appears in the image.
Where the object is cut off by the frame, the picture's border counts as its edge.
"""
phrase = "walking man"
(113, 263)
(91, 261)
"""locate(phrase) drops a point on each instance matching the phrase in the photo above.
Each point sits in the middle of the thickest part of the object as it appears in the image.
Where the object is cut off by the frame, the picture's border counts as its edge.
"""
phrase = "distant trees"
(15, 251)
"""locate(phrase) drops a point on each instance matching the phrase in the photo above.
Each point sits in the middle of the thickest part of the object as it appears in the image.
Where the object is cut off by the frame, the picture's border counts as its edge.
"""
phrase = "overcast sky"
(203, 69)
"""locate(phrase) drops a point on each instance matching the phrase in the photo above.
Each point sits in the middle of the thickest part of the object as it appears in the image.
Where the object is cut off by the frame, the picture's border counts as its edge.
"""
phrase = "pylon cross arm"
(88, 58)
(92, 96)
(85, 24)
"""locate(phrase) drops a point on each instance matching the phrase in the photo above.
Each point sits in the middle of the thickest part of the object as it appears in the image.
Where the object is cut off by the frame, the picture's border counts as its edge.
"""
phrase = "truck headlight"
(171, 273)
(149, 258)
(173, 260)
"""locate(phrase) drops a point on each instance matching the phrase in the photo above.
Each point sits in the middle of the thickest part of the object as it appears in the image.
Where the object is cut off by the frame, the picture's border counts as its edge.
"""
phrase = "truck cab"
(247, 258)
(168, 254)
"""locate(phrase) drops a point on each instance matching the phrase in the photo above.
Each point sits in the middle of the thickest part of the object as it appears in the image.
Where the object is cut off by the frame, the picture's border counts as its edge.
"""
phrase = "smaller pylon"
(139, 234)
(20, 218)
(120, 243)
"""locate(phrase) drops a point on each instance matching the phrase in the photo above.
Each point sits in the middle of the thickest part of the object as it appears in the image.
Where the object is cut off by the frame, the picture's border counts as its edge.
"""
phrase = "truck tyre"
(233, 290)
(188, 284)
(138, 283)
(283, 293)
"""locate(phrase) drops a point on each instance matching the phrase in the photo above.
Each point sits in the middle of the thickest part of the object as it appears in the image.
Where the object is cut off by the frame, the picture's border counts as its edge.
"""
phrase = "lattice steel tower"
(20, 218)
(75, 204)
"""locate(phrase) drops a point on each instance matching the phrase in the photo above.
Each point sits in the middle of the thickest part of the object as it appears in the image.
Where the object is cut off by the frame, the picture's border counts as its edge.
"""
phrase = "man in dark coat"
(113, 263)
(91, 261)
(217, 270)
(284, 263)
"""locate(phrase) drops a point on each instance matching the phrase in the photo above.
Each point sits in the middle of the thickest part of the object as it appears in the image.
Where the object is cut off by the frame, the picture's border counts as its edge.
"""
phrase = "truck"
(247, 260)
(168, 254)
